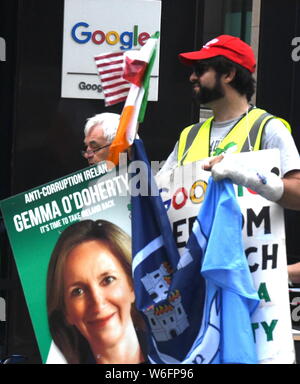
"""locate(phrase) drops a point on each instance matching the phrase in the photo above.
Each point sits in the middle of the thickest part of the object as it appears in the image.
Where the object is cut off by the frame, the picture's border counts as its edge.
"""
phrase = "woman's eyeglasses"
(86, 152)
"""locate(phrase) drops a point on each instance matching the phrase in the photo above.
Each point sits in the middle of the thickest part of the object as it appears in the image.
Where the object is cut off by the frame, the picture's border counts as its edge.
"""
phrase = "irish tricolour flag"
(137, 70)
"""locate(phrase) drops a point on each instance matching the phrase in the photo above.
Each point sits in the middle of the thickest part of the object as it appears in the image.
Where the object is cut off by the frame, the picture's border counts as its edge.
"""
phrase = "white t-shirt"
(275, 135)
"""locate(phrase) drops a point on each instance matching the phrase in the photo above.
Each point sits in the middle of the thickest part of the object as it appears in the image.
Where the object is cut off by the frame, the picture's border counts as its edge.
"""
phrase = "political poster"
(38, 219)
(183, 191)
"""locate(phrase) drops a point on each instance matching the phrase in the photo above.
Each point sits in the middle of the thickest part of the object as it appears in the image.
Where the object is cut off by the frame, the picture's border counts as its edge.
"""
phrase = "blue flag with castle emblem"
(197, 307)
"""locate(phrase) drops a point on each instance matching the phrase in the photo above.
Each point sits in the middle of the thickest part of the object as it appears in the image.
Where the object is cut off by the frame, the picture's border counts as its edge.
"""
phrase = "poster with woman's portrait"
(71, 240)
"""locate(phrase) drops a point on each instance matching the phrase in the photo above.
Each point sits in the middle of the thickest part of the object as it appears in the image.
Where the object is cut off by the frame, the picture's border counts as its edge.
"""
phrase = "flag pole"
(138, 67)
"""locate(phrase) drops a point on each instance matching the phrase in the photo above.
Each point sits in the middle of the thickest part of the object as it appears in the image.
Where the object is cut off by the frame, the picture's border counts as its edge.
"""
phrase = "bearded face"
(206, 91)
(206, 82)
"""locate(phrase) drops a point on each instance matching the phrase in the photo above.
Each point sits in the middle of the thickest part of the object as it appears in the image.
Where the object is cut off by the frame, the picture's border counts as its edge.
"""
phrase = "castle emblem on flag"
(167, 320)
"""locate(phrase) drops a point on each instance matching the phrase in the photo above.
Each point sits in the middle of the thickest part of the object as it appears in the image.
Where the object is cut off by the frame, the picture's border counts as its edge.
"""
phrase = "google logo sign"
(82, 35)
(182, 195)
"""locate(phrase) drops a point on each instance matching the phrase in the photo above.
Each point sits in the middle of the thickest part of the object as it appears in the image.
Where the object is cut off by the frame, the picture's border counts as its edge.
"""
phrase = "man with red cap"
(222, 80)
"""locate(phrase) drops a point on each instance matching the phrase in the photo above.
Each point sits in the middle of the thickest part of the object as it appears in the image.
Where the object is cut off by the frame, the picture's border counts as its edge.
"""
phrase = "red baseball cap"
(231, 47)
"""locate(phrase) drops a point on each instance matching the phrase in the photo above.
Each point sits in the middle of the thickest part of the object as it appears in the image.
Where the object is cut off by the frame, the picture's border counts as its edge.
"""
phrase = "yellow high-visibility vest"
(194, 141)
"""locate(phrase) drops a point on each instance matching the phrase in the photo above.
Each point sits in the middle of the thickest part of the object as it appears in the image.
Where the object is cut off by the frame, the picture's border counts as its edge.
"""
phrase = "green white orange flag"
(137, 70)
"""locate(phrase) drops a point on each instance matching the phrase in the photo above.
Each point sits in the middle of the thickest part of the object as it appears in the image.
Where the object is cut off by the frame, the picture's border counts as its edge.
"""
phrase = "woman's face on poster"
(97, 293)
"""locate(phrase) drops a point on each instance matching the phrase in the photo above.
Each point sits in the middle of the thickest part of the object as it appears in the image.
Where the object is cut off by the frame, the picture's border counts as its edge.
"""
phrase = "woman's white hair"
(109, 123)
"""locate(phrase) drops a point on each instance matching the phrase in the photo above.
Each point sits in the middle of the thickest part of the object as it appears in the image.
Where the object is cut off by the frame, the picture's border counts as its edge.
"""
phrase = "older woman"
(90, 295)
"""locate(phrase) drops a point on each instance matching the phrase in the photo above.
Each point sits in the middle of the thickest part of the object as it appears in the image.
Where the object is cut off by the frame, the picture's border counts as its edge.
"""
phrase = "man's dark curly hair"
(243, 81)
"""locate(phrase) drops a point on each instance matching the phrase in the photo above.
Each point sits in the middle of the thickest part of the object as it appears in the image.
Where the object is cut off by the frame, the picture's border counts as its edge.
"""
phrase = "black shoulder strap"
(190, 138)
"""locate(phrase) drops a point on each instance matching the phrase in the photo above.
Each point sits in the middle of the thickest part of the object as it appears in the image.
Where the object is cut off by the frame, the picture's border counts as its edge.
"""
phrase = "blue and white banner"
(195, 304)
